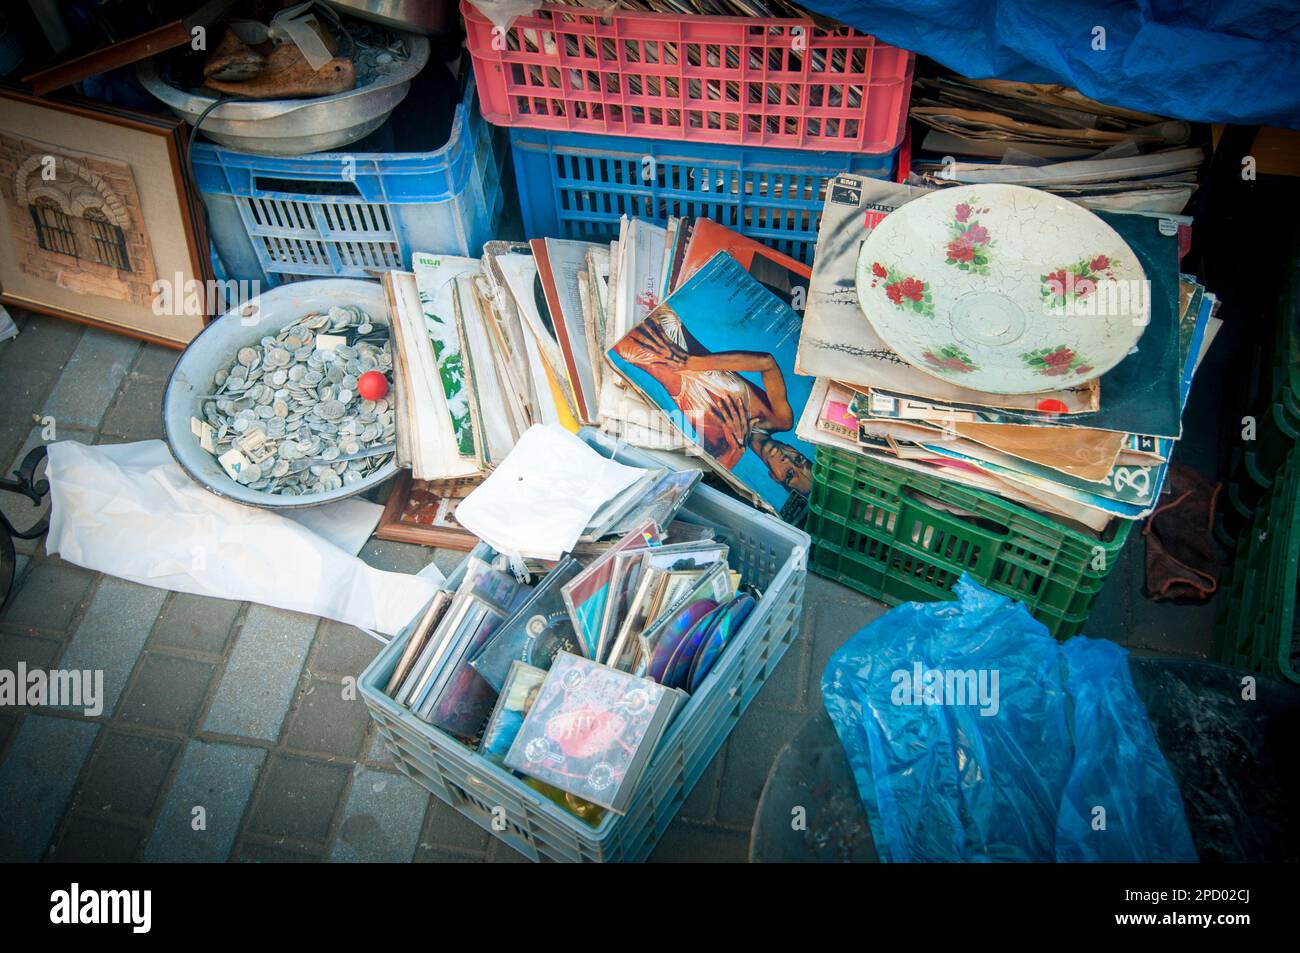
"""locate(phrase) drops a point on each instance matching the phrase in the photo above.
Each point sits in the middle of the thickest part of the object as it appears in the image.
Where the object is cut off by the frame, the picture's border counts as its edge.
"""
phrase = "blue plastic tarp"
(1233, 61)
(975, 736)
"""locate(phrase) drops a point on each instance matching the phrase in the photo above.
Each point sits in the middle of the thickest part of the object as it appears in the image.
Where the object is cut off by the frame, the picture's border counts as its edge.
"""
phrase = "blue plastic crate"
(573, 185)
(352, 214)
(771, 554)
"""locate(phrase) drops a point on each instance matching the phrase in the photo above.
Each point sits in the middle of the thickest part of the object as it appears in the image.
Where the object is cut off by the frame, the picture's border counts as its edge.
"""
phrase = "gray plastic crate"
(771, 554)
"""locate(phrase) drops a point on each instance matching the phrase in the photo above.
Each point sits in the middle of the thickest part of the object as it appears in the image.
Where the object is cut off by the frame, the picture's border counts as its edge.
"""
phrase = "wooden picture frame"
(398, 524)
(96, 208)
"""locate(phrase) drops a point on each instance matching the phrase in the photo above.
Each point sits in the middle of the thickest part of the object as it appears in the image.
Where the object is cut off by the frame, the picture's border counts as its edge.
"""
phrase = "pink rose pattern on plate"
(1056, 361)
(1077, 281)
(903, 290)
(950, 360)
(968, 240)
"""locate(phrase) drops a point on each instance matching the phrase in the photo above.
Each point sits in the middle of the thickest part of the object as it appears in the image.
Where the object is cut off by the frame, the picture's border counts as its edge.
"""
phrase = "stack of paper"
(462, 391)
(729, 307)
(549, 492)
(1052, 138)
(1086, 454)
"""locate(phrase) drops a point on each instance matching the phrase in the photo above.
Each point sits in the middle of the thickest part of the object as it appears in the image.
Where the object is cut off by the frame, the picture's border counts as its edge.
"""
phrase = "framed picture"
(423, 512)
(97, 220)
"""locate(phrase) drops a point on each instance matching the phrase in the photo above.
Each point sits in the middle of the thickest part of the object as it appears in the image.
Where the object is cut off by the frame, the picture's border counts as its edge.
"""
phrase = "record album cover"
(534, 635)
(591, 730)
(718, 357)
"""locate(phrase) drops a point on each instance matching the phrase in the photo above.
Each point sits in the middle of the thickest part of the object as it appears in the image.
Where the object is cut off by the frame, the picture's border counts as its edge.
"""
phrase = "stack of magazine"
(571, 680)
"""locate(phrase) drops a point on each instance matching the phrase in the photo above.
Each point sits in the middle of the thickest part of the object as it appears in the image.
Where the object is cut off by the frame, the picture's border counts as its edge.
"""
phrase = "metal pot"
(430, 17)
(294, 127)
(215, 347)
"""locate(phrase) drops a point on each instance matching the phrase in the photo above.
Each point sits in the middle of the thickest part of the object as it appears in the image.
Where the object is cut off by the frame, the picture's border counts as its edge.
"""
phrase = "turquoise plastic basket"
(771, 555)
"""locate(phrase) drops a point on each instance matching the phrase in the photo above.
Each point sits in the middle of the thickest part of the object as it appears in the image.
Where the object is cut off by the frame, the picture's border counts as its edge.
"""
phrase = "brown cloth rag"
(1181, 560)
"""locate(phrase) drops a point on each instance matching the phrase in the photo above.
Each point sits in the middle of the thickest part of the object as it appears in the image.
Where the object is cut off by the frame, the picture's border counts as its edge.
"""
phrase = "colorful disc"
(728, 624)
(672, 635)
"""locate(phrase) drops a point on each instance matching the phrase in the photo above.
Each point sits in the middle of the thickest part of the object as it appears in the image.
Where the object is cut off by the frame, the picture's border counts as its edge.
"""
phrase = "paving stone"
(138, 411)
(195, 623)
(701, 803)
(112, 633)
(785, 686)
(448, 559)
(168, 692)
(377, 751)
(684, 843)
(36, 436)
(218, 778)
(92, 376)
(253, 853)
(425, 854)
(342, 649)
(155, 362)
(36, 781)
(502, 853)
(1123, 615)
(45, 342)
(818, 591)
(751, 751)
(298, 798)
(382, 819)
(325, 722)
(13, 432)
(36, 652)
(25, 390)
(129, 774)
(92, 840)
(397, 557)
(832, 623)
(50, 595)
(8, 723)
(447, 828)
(262, 674)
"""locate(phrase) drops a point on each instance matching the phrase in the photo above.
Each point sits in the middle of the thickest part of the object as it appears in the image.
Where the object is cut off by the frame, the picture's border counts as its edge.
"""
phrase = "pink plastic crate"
(747, 81)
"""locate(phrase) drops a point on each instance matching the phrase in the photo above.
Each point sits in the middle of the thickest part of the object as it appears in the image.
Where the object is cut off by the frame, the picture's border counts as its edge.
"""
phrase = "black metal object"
(35, 490)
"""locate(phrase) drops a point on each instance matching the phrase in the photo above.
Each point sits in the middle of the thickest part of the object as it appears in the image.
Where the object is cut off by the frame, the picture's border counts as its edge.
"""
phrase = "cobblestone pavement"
(241, 708)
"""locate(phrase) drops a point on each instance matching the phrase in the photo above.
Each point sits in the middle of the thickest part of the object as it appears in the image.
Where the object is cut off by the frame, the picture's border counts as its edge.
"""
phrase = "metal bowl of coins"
(263, 406)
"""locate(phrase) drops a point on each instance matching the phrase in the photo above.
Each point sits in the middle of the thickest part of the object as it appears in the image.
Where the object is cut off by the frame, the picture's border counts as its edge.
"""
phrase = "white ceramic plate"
(1003, 289)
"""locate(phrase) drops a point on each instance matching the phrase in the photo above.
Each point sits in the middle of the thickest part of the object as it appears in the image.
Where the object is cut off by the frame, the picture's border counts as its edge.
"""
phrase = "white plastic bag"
(128, 510)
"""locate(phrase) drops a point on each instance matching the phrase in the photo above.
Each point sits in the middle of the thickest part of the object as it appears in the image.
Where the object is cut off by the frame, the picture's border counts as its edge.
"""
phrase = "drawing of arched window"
(108, 240)
(53, 228)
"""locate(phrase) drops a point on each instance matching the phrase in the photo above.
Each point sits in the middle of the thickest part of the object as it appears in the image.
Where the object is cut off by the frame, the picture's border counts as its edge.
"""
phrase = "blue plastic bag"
(1231, 61)
(975, 736)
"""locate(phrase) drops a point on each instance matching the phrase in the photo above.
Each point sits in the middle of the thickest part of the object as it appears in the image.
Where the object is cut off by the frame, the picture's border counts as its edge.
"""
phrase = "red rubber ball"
(372, 385)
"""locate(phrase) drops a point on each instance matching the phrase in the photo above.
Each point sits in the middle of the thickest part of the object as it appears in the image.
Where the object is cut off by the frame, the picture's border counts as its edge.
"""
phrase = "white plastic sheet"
(128, 510)
(539, 500)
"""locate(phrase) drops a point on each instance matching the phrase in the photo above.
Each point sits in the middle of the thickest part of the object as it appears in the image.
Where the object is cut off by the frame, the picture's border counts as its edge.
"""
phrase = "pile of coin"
(285, 417)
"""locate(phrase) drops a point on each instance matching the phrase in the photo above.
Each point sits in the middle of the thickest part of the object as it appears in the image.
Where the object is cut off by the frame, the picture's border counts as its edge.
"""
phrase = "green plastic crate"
(1274, 401)
(900, 536)
(1256, 623)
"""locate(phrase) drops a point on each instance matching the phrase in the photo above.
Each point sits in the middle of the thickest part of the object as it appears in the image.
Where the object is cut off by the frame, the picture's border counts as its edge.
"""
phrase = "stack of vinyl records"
(1052, 138)
(1003, 338)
